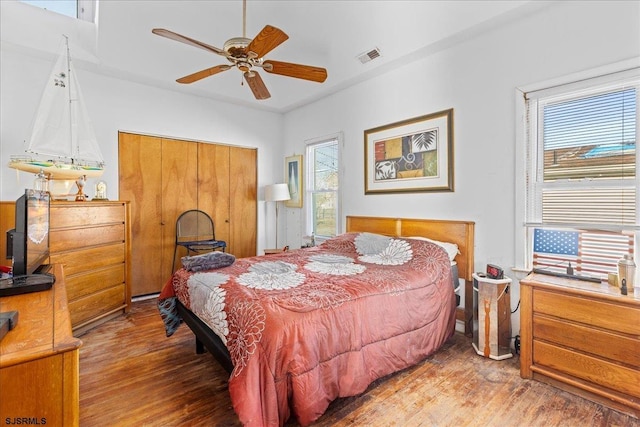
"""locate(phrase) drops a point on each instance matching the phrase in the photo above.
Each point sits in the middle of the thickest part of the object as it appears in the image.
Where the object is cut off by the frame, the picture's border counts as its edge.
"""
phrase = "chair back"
(194, 225)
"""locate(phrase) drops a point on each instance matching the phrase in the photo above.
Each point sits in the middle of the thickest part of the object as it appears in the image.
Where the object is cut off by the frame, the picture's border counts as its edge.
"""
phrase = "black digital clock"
(494, 272)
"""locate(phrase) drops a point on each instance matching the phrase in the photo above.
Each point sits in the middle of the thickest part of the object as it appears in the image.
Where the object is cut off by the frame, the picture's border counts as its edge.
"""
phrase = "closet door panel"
(179, 194)
(243, 200)
(213, 186)
(164, 177)
(140, 183)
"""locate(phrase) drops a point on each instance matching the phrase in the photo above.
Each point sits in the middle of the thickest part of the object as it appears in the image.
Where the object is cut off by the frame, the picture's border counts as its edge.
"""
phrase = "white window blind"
(581, 182)
(582, 157)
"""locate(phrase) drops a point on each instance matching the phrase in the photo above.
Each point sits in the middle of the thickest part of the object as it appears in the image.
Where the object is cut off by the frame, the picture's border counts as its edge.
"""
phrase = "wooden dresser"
(582, 337)
(92, 241)
(39, 360)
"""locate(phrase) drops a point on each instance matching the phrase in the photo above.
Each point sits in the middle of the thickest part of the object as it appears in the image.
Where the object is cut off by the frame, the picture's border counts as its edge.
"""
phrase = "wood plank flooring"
(131, 374)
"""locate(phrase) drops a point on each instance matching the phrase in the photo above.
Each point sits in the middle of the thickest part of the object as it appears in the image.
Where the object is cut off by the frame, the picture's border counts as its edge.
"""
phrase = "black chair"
(195, 232)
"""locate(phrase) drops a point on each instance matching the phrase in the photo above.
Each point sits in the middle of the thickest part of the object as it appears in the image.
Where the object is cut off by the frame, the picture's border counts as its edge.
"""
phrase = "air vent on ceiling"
(369, 56)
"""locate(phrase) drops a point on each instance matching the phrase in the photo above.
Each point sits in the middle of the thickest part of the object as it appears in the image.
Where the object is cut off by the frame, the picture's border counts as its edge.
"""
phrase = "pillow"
(371, 244)
(451, 248)
(208, 261)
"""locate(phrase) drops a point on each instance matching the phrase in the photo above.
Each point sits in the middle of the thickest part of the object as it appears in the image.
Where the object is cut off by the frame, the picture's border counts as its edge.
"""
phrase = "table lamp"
(276, 193)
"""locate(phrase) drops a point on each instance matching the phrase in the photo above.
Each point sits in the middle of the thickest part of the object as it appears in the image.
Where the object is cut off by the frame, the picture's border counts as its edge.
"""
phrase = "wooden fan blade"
(183, 39)
(306, 72)
(203, 73)
(267, 40)
(257, 85)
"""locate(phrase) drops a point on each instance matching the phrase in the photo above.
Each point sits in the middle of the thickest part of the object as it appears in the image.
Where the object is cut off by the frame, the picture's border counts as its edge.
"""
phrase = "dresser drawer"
(616, 347)
(597, 371)
(597, 313)
(93, 281)
(69, 239)
(95, 305)
(82, 260)
(81, 215)
(91, 241)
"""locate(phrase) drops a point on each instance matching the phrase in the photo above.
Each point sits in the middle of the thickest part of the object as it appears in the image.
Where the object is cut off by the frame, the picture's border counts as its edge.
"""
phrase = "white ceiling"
(326, 33)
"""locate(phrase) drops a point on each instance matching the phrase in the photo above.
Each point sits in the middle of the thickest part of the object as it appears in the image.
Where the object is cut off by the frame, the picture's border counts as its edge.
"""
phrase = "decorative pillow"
(397, 252)
(451, 248)
(208, 261)
(371, 244)
(340, 243)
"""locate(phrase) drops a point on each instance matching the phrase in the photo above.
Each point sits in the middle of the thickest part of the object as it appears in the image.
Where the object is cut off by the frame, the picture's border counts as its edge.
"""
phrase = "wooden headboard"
(458, 232)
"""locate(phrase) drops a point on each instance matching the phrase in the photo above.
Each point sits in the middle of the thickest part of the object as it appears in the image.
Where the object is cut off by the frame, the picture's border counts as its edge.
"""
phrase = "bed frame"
(458, 232)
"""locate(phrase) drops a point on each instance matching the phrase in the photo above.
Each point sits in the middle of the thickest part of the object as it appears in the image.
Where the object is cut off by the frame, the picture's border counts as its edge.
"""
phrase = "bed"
(299, 329)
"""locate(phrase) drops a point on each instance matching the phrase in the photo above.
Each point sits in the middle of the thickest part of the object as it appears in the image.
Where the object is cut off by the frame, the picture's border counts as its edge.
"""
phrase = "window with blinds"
(581, 173)
(323, 186)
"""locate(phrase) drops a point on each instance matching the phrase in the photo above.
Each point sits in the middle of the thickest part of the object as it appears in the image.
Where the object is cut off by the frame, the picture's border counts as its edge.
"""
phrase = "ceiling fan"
(246, 54)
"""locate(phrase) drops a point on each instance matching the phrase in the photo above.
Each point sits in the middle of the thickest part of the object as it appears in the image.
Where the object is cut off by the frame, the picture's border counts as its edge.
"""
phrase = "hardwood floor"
(131, 374)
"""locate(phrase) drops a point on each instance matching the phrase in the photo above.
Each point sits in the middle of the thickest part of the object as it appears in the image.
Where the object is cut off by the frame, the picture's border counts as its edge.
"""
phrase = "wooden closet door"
(164, 177)
(243, 203)
(213, 187)
(140, 182)
(179, 194)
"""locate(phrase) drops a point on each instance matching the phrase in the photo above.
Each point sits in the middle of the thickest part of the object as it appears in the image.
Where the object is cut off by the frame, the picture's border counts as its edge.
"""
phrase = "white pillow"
(451, 248)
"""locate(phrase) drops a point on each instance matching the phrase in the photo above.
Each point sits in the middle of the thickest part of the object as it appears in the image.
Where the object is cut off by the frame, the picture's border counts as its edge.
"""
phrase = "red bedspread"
(311, 325)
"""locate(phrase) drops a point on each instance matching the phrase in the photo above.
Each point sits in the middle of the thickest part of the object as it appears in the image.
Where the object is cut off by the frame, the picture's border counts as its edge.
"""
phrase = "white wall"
(118, 105)
(477, 79)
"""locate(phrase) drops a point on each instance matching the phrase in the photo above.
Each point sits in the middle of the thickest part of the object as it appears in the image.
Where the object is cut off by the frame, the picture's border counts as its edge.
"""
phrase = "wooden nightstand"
(276, 251)
(39, 359)
(582, 337)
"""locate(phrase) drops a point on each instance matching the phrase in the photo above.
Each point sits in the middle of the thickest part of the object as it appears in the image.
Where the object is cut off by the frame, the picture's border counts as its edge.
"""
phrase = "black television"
(28, 242)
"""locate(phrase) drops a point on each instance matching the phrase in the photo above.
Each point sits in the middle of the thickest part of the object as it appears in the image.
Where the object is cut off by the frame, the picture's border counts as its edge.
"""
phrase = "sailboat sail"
(62, 130)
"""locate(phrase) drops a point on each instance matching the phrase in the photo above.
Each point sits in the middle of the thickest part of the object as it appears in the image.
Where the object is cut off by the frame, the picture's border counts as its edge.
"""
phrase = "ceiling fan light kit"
(246, 54)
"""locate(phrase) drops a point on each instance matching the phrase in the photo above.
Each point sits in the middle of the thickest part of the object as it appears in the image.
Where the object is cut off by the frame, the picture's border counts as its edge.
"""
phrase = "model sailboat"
(62, 140)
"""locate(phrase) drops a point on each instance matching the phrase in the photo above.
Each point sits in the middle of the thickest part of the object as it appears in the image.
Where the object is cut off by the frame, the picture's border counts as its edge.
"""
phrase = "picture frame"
(413, 155)
(295, 180)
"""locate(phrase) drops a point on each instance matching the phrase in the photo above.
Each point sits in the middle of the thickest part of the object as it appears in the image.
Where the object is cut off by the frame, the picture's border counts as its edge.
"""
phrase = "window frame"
(570, 83)
(310, 187)
(85, 10)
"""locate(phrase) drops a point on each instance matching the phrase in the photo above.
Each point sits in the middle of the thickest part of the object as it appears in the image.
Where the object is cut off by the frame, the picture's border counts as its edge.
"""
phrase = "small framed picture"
(294, 179)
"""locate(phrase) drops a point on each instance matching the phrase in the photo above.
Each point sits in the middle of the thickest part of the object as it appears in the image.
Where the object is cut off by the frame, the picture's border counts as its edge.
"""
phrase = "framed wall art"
(412, 155)
(294, 179)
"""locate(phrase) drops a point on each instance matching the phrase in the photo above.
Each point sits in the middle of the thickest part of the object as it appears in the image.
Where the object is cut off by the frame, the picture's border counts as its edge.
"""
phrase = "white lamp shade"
(276, 192)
